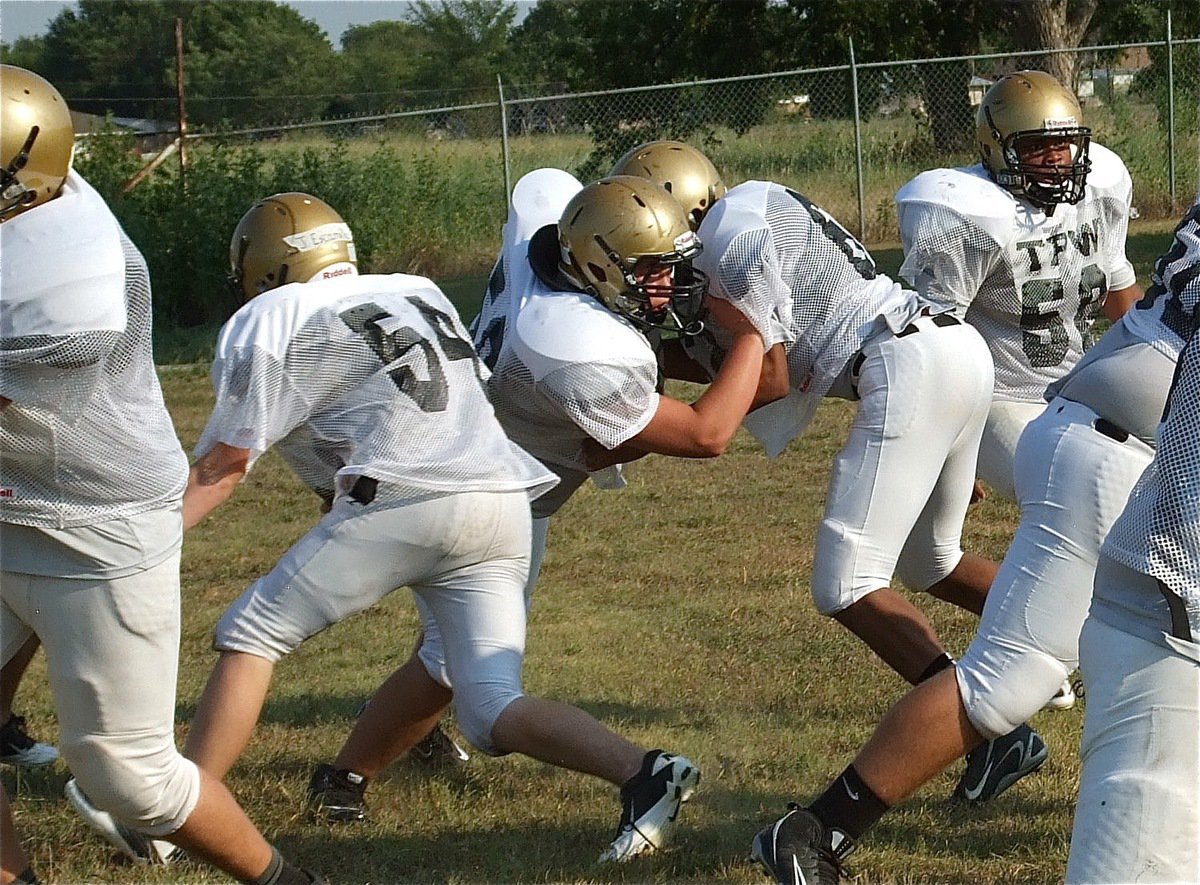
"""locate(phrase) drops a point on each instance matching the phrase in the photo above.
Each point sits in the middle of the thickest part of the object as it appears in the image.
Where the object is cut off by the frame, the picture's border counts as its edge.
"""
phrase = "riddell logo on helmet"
(337, 270)
(1059, 123)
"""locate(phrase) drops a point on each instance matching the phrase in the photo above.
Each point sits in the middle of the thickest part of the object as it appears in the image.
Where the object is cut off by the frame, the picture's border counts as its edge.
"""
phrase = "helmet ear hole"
(597, 272)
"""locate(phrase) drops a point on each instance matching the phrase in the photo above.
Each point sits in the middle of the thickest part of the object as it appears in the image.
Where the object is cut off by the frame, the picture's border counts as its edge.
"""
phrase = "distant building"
(151, 136)
(977, 88)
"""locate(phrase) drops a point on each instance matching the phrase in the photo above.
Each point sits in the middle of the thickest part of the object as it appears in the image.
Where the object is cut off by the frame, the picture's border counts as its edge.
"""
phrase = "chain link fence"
(848, 136)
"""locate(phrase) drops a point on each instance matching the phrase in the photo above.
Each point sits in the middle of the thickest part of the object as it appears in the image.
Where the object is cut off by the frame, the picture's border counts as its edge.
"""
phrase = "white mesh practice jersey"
(1031, 283)
(1159, 532)
(87, 437)
(564, 367)
(363, 376)
(1166, 316)
(802, 279)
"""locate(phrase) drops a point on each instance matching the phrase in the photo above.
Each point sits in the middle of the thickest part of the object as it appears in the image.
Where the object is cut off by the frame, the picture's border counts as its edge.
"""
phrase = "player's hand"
(979, 492)
(731, 319)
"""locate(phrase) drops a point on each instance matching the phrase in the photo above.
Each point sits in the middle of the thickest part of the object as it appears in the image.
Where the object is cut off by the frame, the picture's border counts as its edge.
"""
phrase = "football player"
(839, 328)
(587, 281)
(1028, 246)
(90, 548)
(370, 389)
(1075, 467)
(1138, 815)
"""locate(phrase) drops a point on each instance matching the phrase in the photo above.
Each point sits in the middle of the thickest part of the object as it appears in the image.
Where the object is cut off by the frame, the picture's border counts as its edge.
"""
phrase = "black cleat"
(800, 850)
(337, 794)
(18, 748)
(438, 750)
(995, 766)
(650, 803)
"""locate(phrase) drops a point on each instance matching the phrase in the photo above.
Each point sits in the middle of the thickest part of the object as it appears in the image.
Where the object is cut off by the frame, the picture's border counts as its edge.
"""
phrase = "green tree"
(585, 45)
(468, 45)
(26, 52)
(245, 62)
(882, 30)
(379, 64)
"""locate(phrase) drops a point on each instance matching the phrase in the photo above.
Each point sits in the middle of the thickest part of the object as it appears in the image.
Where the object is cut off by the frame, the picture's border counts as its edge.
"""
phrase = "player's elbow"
(712, 442)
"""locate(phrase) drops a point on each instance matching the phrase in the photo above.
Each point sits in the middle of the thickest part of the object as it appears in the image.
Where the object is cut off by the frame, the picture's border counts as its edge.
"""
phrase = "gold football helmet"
(686, 173)
(1017, 116)
(614, 233)
(288, 238)
(37, 138)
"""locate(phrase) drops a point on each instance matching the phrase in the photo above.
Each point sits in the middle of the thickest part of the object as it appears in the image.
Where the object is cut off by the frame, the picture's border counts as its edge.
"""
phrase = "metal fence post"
(858, 155)
(1170, 114)
(504, 141)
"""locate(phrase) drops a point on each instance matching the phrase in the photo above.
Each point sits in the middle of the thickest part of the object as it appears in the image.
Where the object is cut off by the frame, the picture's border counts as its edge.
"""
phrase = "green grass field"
(676, 610)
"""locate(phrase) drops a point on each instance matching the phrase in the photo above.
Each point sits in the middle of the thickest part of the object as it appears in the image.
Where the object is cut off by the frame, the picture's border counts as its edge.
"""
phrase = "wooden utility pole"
(182, 110)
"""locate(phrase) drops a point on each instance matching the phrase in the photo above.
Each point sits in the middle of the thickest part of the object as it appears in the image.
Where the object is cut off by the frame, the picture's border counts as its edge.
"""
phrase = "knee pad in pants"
(152, 790)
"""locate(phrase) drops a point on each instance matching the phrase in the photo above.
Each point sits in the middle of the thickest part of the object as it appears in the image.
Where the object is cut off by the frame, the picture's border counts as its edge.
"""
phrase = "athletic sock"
(270, 876)
(849, 805)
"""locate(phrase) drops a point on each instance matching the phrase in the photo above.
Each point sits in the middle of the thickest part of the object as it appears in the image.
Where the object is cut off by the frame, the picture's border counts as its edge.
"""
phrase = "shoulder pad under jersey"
(415, 286)
(968, 192)
(742, 209)
(1108, 174)
(538, 199)
(556, 329)
(269, 320)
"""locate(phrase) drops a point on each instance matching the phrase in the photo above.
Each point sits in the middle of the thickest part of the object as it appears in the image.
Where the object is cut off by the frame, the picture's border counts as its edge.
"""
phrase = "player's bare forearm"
(1118, 301)
(705, 428)
(773, 382)
(211, 481)
(597, 457)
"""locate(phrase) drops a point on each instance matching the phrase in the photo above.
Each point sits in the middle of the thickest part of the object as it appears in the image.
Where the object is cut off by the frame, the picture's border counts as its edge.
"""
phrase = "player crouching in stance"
(587, 281)
(90, 547)
(369, 388)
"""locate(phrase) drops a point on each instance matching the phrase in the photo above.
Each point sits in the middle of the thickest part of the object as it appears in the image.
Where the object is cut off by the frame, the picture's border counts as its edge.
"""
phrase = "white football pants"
(1006, 421)
(112, 655)
(901, 484)
(1138, 815)
(466, 558)
(1072, 483)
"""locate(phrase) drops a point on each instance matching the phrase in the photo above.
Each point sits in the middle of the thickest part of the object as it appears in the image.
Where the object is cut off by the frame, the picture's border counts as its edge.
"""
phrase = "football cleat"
(437, 750)
(141, 849)
(18, 748)
(995, 766)
(1064, 698)
(649, 804)
(338, 794)
(800, 850)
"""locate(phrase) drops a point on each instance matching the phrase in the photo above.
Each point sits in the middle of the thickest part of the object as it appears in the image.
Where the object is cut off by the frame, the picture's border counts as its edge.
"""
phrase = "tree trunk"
(1056, 24)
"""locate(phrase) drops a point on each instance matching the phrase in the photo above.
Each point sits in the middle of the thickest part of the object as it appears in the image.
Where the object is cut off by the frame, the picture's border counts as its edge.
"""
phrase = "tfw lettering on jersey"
(1049, 251)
